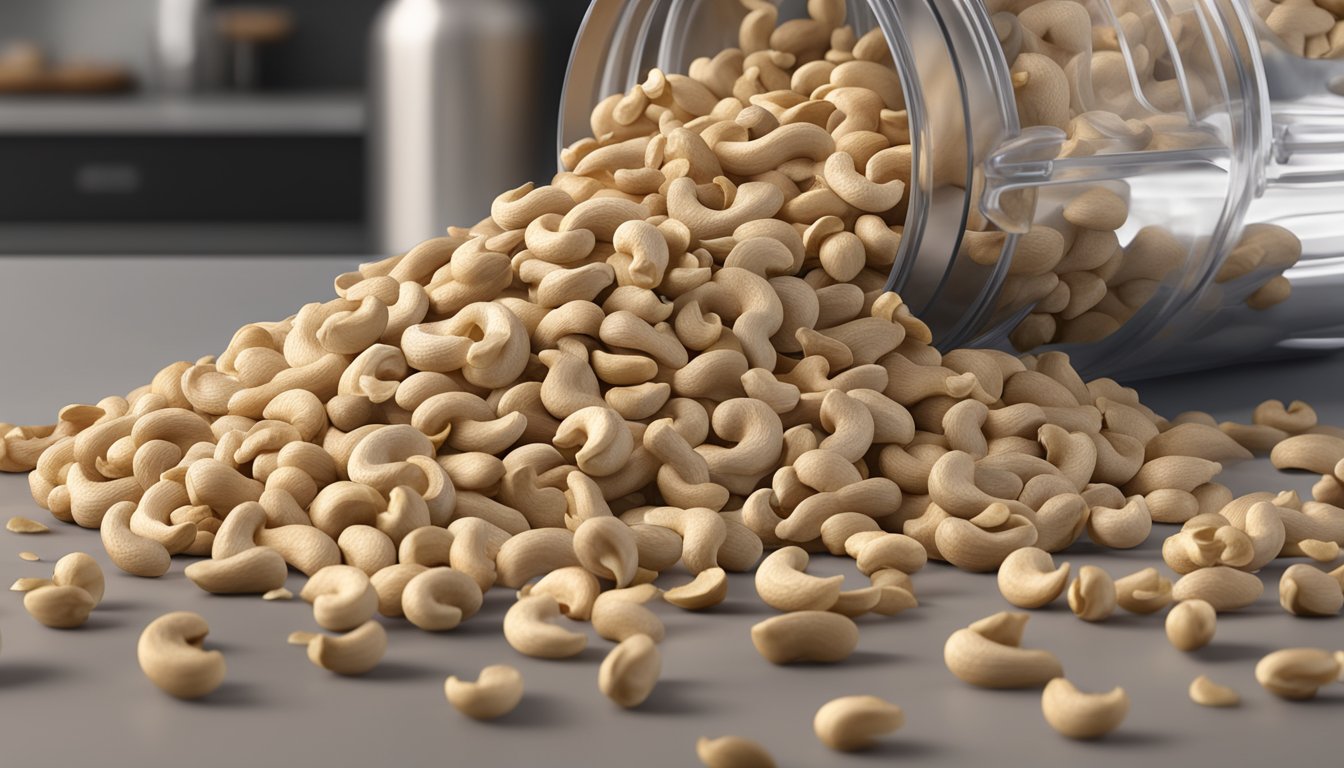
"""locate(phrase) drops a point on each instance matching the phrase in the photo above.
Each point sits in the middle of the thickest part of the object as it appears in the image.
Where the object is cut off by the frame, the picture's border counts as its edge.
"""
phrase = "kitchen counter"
(75, 330)
(309, 114)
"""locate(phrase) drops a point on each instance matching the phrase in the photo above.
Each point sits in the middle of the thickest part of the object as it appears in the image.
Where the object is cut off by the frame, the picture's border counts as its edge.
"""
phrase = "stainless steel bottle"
(453, 113)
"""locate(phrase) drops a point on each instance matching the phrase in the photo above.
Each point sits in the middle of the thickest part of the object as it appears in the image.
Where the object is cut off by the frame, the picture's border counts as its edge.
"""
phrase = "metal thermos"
(453, 113)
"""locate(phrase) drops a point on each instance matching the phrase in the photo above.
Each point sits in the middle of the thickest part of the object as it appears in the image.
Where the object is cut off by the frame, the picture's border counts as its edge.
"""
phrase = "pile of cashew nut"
(679, 352)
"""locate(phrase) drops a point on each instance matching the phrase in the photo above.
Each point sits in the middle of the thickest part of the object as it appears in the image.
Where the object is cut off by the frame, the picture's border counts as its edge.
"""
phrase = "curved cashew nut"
(575, 588)
(702, 531)
(1225, 588)
(707, 589)
(758, 437)
(988, 654)
(606, 547)
(465, 422)
(1081, 715)
(968, 546)
(850, 423)
(1028, 578)
(253, 571)
(647, 249)
(345, 503)
(133, 554)
(619, 614)
(374, 374)
(352, 331)
(79, 570)
(367, 548)
(342, 597)
(605, 440)
(381, 458)
(1092, 596)
(440, 598)
(862, 192)
(952, 487)
(1296, 673)
(58, 607)
(495, 693)
(1122, 528)
(390, 583)
(534, 552)
(171, 656)
(805, 636)
(528, 629)
(1144, 592)
(352, 653)
(517, 207)
(782, 583)
(306, 548)
(630, 671)
(754, 200)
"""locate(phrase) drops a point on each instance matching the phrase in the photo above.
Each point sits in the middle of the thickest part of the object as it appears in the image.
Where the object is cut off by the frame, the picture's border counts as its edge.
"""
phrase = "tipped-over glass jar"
(1148, 185)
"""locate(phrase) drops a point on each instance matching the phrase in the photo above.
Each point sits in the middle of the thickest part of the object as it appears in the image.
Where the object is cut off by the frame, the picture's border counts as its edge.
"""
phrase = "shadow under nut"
(806, 636)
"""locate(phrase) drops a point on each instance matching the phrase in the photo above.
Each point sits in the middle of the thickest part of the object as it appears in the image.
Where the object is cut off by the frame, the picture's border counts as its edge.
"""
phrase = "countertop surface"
(77, 329)
(314, 113)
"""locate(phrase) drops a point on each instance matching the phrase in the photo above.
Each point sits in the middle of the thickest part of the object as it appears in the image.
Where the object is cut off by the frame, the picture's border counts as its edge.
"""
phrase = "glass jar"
(1189, 115)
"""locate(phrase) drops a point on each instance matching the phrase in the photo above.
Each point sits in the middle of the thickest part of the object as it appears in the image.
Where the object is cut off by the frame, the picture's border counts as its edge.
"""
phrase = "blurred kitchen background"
(285, 127)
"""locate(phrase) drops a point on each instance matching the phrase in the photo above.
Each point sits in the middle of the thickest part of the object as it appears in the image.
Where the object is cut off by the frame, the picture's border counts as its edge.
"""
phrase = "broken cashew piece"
(1207, 693)
(495, 693)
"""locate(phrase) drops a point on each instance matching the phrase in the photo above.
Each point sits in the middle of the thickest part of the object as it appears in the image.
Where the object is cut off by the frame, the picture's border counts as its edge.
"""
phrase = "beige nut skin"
(809, 636)
(59, 607)
(352, 653)
(495, 693)
(171, 656)
(1297, 673)
(1028, 578)
(630, 671)
(852, 723)
(79, 570)
(1191, 624)
(732, 752)
(1081, 715)
(986, 654)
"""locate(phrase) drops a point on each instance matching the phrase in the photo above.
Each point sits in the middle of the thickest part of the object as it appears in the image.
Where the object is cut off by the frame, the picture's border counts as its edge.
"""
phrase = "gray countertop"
(74, 330)
(214, 114)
